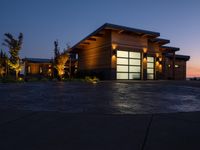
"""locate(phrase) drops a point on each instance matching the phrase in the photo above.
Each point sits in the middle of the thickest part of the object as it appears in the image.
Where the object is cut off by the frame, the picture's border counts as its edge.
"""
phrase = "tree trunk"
(17, 75)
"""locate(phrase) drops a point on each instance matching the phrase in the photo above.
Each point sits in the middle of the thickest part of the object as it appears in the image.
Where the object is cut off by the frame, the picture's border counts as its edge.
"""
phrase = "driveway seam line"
(147, 132)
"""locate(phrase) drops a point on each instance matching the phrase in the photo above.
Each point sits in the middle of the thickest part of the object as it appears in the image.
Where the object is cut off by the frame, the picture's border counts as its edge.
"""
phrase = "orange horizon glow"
(193, 72)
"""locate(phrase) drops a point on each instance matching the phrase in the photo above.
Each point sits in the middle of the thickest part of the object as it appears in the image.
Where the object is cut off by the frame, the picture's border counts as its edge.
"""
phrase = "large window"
(150, 68)
(128, 65)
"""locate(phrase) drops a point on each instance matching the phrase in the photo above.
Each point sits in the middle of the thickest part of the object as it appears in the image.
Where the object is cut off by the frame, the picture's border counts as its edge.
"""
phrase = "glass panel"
(122, 68)
(134, 75)
(150, 59)
(134, 62)
(122, 75)
(122, 61)
(122, 53)
(134, 55)
(134, 68)
(150, 65)
(150, 70)
(150, 76)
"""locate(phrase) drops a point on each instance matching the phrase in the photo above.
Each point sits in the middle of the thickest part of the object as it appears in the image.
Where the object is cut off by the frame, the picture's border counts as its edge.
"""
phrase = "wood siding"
(97, 54)
(180, 71)
(129, 41)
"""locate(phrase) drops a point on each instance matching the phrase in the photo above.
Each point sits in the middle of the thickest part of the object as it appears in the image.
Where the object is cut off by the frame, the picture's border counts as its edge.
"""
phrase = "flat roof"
(37, 60)
(170, 49)
(160, 41)
(182, 57)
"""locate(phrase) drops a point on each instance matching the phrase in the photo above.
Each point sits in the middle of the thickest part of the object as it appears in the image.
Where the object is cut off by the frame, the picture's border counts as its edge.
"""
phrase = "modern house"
(119, 52)
(44, 67)
(37, 66)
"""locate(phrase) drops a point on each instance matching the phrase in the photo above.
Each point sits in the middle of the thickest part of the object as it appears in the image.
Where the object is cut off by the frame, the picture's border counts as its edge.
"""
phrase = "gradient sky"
(43, 21)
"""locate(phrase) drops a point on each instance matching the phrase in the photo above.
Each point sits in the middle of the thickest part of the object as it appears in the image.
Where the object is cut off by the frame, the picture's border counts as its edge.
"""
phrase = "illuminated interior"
(128, 65)
(150, 68)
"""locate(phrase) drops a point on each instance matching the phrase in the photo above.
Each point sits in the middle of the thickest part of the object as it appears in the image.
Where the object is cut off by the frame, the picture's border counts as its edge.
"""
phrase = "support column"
(173, 66)
(163, 67)
(144, 64)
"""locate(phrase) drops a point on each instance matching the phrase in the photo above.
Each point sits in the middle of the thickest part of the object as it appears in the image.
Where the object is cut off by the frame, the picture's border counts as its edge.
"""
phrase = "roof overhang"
(121, 29)
(160, 41)
(169, 49)
(181, 57)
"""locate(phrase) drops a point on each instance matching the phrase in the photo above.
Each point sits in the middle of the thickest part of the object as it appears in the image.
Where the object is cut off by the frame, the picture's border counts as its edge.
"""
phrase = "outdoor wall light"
(157, 59)
(114, 52)
(145, 50)
(114, 46)
(160, 61)
(145, 55)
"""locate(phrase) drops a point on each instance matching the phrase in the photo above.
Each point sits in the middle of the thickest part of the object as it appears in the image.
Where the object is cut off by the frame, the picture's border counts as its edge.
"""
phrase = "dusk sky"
(68, 21)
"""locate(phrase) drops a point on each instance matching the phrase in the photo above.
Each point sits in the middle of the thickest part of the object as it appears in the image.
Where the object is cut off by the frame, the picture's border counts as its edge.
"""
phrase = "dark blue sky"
(43, 21)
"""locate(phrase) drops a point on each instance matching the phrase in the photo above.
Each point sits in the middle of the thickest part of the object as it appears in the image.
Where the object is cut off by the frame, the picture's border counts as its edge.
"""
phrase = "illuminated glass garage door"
(150, 68)
(128, 65)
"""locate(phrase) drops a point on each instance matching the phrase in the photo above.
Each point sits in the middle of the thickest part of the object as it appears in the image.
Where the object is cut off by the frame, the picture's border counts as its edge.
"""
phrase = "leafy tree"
(3, 63)
(14, 46)
(60, 60)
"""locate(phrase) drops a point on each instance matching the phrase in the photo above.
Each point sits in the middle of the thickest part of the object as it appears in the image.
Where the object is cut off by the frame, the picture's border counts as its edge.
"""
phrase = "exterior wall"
(95, 58)
(138, 43)
(132, 41)
(127, 42)
(38, 68)
(180, 70)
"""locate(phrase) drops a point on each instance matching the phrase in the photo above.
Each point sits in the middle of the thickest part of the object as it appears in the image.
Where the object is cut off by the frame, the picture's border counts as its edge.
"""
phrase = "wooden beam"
(121, 31)
(85, 43)
(92, 39)
(98, 35)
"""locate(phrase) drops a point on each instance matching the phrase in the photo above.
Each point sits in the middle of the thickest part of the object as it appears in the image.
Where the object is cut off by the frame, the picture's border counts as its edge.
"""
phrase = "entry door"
(150, 68)
(128, 65)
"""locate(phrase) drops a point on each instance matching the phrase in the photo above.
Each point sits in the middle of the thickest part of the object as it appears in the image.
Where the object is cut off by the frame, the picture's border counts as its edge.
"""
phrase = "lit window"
(134, 75)
(122, 75)
(150, 76)
(135, 55)
(150, 65)
(134, 61)
(122, 68)
(40, 69)
(29, 69)
(169, 66)
(122, 61)
(122, 53)
(176, 66)
(76, 56)
(150, 70)
(150, 59)
(134, 68)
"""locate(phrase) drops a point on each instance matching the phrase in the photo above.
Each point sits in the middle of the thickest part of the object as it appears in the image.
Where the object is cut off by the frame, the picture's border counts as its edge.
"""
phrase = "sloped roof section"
(119, 28)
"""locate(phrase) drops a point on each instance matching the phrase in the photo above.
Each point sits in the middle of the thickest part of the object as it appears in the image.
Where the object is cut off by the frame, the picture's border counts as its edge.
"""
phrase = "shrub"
(91, 79)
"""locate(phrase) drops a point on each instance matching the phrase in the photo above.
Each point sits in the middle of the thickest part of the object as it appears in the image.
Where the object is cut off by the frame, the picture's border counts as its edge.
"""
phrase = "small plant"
(11, 79)
(93, 80)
